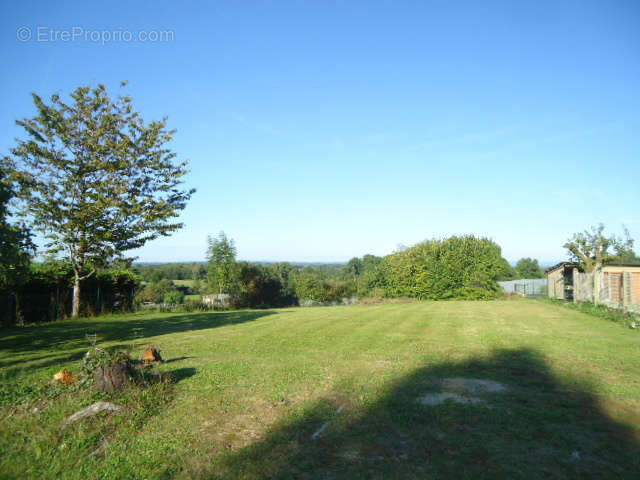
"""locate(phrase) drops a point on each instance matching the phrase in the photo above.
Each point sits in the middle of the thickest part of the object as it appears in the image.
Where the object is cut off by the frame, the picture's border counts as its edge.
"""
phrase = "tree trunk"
(75, 309)
(114, 377)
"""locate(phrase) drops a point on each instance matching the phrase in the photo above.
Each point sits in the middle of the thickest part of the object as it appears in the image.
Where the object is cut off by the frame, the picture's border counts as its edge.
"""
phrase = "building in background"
(560, 278)
(613, 285)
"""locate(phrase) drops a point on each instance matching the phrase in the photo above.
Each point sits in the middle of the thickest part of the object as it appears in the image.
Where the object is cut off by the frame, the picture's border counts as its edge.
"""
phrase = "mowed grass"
(254, 386)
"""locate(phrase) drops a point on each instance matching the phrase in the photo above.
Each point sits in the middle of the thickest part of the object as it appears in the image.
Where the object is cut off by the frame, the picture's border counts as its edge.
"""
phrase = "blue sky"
(319, 131)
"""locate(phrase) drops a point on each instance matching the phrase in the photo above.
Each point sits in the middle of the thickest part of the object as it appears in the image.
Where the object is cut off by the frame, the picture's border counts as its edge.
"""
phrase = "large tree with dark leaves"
(15, 240)
(97, 179)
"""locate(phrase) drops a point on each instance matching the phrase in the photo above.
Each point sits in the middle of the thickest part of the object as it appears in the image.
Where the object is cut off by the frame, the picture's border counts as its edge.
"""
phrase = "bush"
(155, 292)
(195, 305)
(315, 287)
(174, 297)
(45, 295)
(455, 268)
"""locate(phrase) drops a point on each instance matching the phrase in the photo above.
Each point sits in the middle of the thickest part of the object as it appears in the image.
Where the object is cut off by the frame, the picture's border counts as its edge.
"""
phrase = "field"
(336, 392)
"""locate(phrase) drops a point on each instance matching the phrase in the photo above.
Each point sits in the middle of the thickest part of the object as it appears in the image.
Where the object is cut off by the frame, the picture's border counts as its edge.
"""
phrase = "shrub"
(155, 292)
(195, 305)
(455, 268)
(174, 297)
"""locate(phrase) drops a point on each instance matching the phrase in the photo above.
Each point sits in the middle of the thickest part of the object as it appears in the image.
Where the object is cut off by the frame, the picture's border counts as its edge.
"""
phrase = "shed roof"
(561, 265)
(575, 264)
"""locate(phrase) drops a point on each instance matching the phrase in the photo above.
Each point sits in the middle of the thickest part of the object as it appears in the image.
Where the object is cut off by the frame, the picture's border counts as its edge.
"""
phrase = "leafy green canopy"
(463, 267)
(96, 179)
(592, 248)
(529, 268)
(15, 241)
(222, 274)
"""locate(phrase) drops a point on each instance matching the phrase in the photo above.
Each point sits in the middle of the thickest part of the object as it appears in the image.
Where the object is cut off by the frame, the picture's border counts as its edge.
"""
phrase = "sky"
(320, 131)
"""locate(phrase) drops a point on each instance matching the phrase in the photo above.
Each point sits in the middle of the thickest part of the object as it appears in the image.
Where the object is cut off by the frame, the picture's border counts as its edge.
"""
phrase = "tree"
(592, 249)
(155, 292)
(354, 267)
(529, 268)
(15, 241)
(222, 274)
(507, 272)
(174, 297)
(624, 250)
(96, 179)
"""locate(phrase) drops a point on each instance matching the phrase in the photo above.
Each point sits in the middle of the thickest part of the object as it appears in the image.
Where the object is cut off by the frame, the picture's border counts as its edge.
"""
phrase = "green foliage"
(45, 293)
(15, 241)
(592, 248)
(97, 180)
(507, 272)
(314, 285)
(172, 271)
(601, 311)
(365, 273)
(529, 268)
(458, 267)
(222, 274)
(194, 305)
(260, 287)
(174, 297)
(96, 358)
(155, 292)
(354, 267)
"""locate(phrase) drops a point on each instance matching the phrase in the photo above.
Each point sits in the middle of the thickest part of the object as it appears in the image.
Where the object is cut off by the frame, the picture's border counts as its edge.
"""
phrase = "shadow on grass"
(43, 361)
(180, 374)
(540, 428)
(176, 359)
(68, 334)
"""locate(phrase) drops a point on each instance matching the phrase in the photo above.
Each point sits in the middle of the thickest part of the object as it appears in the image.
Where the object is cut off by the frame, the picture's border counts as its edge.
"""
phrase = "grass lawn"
(254, 386)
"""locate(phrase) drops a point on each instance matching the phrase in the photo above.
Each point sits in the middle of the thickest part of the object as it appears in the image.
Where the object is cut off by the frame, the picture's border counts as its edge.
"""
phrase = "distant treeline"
(154, 272)
(457, 267)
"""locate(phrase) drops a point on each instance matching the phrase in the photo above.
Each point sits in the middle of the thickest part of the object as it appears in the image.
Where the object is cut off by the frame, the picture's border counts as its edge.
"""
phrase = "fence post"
(626, 289)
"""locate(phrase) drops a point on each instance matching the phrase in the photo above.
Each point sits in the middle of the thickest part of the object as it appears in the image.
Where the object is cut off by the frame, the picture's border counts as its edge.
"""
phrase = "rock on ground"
(92, 410)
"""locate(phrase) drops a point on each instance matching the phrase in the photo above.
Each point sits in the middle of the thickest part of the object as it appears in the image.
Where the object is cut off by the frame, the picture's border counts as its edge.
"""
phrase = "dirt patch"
(466, 391)
(433, 399)
(472, 386)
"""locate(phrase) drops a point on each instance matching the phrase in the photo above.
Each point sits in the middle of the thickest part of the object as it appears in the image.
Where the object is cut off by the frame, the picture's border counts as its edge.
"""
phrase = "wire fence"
(528, 287)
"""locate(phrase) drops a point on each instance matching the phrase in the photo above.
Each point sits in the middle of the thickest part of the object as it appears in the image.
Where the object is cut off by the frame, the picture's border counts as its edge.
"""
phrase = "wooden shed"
(560, 278)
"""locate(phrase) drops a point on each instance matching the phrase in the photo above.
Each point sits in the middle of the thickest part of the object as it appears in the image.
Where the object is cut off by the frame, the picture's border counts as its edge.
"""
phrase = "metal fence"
(528, 287)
